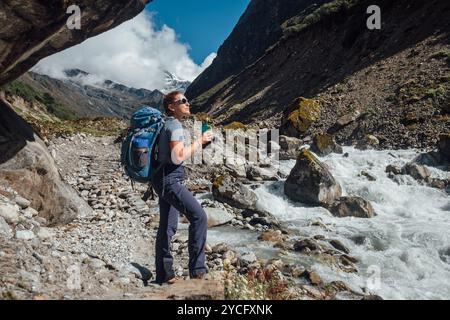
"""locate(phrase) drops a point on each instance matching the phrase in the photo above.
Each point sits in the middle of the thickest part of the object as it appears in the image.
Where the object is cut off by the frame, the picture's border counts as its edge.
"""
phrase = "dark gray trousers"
(174, 198)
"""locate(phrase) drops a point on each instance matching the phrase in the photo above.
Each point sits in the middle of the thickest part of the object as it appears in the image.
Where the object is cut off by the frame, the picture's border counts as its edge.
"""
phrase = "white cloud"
(134, 54)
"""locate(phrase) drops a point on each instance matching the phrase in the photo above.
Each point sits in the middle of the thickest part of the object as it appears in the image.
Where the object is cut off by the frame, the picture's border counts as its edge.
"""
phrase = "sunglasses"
(182, 101)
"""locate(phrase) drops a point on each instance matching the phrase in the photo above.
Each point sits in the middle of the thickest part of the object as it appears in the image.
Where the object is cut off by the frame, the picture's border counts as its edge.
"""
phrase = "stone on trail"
(217, 217)
(25, 235)
(9, 212)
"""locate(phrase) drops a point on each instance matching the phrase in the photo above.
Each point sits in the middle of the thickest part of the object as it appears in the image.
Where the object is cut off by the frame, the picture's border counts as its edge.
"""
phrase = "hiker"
(174, 198)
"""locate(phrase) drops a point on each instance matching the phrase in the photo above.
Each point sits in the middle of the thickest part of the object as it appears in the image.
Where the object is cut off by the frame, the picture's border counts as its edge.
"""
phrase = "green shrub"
(304, 20)
(22, 90)
(441, 54)
(235, 125)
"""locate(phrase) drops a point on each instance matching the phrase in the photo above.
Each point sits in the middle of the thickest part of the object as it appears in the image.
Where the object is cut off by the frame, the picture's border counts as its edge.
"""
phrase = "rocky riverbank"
(109, 252)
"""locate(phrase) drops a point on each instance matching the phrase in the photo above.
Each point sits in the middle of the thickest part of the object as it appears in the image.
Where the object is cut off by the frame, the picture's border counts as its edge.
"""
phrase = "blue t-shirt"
(172, 131)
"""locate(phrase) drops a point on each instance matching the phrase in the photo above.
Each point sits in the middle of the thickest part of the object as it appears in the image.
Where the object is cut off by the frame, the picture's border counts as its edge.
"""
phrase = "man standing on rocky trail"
(168, 182)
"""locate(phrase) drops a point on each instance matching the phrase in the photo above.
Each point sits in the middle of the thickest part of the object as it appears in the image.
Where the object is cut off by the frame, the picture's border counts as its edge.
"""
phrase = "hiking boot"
(200, 275)
(174, 280)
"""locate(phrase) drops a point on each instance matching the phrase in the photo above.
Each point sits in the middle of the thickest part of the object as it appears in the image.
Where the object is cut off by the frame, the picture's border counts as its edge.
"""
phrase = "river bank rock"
(217, 217)
(324, 144)
(9, 212)
(301, 114)
(228, 189)
(444, 146)
(344, 121)
(368, 142)
(352, 207)
(310, 182)
(257, 173)
(289, 147)
(417, 171)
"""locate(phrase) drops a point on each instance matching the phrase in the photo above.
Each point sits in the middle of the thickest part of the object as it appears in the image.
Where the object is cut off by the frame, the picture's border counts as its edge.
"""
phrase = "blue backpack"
(138, 148)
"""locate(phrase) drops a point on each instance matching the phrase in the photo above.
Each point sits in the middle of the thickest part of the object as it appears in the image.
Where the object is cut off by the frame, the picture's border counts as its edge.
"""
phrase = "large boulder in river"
(310, 182)
(324, 144)
(352, 207)
(228, 189)
(417, 171)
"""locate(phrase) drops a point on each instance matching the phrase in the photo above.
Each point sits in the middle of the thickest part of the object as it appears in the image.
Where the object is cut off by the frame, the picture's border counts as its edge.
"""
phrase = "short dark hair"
(169, 99)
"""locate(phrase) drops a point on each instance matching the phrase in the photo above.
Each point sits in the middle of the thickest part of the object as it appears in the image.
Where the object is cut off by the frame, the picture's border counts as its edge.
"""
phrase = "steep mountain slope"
(257, 29)
(105, 98)
(397, 78)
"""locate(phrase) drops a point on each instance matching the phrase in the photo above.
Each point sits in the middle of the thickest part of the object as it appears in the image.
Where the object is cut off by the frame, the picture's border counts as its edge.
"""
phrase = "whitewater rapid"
(404, 251)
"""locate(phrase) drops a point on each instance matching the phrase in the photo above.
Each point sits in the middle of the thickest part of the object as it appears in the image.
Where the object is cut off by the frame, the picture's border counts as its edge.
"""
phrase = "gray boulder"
(256, 173)
(289, 147)
(27, 166)
(344, 121)
(217, 217)
(310, 182)
(5, 229)
(9, 212)
(352, 207)
(227, 189)
(247, 259)
(417, 171)
(324, 144)
(25, 235)
(368, 142)
(22, 202)
(307, 245)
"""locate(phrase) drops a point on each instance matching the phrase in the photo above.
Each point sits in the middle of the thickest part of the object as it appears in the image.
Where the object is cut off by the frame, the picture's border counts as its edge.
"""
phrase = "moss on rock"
(235, 125)
(303, 112)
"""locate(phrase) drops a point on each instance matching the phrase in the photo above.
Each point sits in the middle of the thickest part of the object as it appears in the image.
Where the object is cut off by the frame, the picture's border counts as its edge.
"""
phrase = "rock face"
(29, 32)
(310, 182)
(32, 30)
(32, 173)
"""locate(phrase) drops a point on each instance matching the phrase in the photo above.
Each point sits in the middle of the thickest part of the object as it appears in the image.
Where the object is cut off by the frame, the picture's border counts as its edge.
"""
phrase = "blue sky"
(202, 24)
(175, 36)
